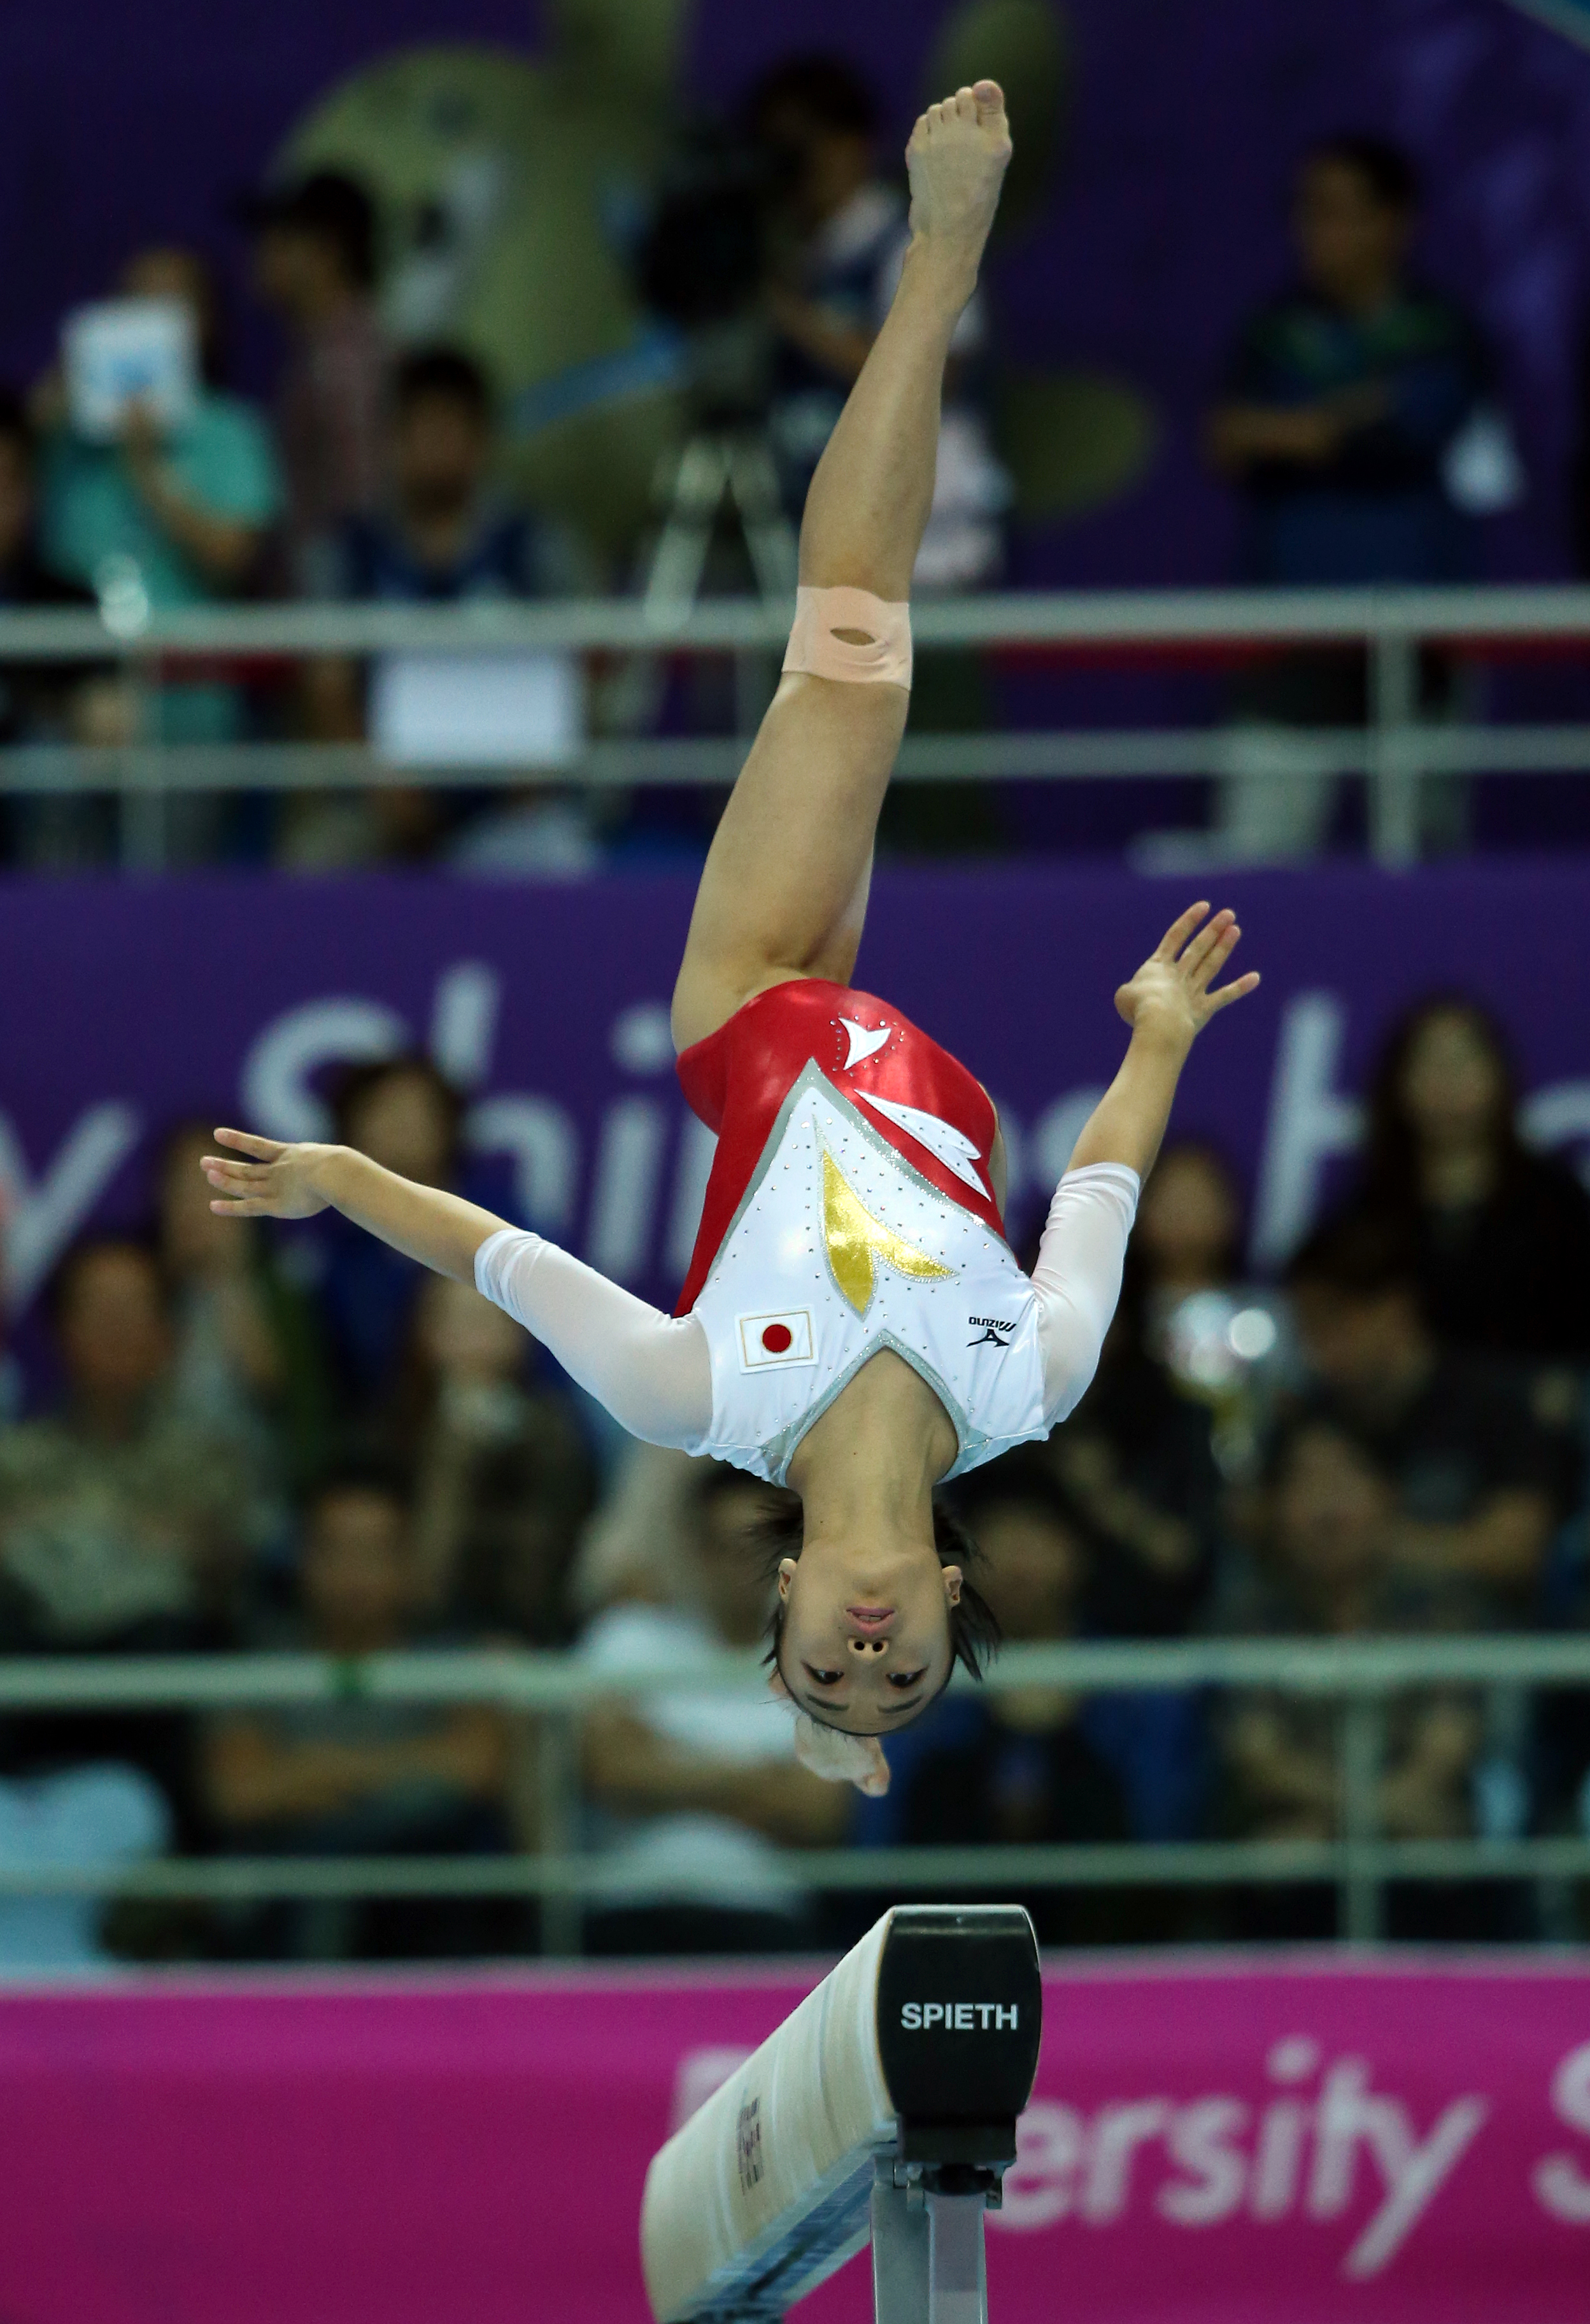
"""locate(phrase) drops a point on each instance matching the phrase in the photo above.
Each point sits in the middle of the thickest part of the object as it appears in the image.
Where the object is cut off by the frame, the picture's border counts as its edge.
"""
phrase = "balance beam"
(885, 2108)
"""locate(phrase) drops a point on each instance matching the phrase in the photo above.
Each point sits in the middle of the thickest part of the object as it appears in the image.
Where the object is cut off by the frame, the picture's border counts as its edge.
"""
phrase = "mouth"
(871, 1620)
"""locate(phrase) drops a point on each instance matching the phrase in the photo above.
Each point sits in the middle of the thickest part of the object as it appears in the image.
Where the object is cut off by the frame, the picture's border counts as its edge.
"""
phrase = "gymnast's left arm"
(1078, 1278)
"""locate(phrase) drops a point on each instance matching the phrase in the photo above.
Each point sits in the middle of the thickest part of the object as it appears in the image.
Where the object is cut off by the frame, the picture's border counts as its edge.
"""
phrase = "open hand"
(279, 1183)
(1172, 993)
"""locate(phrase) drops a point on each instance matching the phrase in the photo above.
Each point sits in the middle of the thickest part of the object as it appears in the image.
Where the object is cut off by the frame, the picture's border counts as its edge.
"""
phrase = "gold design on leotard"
(856, 1242)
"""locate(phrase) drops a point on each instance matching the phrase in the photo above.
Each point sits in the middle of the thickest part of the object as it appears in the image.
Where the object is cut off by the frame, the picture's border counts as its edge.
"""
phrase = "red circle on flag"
(776, 1338)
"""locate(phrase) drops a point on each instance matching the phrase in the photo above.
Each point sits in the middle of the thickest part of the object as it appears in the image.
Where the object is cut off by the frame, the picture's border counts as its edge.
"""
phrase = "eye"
(821, 1677)
(906, 1680)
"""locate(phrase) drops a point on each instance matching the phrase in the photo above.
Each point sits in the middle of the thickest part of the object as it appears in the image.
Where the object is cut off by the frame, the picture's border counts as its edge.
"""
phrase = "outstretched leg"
(783, 892)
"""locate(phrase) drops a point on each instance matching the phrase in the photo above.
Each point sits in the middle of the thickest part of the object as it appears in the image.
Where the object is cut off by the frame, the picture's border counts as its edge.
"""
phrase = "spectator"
(247, 1363)
(1478, 1481)
(1224, 1340)
(315, 264)
(175, 520)
(1331, 1563)
(1345, 397)
(1021, 1767)
(1499, 1237)
(503, 1478)
(353, 1774)
(1137, 1461)
(439, 535)
(406, 1115)
(689, 1792)
(119, 1516)
(847, 232)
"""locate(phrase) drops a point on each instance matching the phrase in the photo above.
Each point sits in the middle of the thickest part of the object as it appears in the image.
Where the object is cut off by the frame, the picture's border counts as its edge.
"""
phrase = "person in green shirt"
(184, 516)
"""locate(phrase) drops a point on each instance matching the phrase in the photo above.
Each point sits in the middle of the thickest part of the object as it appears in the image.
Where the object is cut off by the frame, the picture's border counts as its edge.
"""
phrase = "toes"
(966, 104)
(989, 97)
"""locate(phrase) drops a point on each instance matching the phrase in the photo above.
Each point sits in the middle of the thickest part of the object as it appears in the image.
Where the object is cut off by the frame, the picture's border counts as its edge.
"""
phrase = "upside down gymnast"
(853, 1324)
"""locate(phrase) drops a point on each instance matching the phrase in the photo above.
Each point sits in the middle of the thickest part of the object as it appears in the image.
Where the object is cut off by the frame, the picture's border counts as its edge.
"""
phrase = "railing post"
(1394, 778)
(557, 1767)
(1362, 1748)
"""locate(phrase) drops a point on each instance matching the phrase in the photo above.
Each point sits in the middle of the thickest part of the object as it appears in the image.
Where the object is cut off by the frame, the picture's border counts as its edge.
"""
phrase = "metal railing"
(1396, 750)
(543, 1696)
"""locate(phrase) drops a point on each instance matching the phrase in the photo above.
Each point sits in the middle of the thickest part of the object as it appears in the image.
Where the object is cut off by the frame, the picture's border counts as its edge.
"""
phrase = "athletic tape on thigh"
(884, 659)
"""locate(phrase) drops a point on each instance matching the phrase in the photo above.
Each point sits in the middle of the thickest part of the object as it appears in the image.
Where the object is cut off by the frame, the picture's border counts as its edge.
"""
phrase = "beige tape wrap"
(790, 2123)
(814, 647)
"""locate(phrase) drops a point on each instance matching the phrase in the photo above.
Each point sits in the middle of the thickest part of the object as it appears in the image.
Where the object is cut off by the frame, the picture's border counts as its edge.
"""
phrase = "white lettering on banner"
(1308, 1121)
(464, 1022)
(1199, 2139)
(275, 1085)
(1055, 1134)
(697, 1150)
(545, 1146)
(1068, 2165)
(1562, 2185)
(43, 1215)
(623, 1201)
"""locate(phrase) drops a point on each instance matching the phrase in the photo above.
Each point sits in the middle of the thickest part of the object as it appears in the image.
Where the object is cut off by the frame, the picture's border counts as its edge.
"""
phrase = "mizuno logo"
(989, 1330)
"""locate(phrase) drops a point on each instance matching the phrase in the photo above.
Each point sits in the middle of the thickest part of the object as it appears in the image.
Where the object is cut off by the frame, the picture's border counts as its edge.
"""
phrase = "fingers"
(1208, 948)
(241, 1210)
(266, 1150)
(1176, 935)
(1226, 993)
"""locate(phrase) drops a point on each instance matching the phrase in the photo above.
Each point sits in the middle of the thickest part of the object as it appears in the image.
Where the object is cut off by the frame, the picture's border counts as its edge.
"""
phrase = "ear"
(775, 1686)
(952, 1585)
(786, 1576)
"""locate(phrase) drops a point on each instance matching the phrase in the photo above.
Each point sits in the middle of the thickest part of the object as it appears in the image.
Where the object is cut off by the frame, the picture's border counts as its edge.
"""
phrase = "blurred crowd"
(1357, 426)
(281, 1439)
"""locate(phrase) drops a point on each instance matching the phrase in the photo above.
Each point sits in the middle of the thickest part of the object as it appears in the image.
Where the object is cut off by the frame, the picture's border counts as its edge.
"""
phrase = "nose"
(865, 1648)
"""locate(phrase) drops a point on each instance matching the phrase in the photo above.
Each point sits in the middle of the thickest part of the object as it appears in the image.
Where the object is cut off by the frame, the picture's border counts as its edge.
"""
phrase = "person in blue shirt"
(1344, 399)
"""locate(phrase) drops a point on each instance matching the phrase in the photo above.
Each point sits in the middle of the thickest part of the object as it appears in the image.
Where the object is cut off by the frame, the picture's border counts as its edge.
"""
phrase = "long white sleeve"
(1078, 1278)
(650, 1370)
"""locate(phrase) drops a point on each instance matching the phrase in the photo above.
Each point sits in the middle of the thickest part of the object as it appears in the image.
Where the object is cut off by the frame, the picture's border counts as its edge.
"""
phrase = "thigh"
(784, 889)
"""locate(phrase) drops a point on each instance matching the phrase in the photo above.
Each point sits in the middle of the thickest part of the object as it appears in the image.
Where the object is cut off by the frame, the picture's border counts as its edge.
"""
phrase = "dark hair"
(830, 93)
(1361, 1254)
(329, 207)
(1391, 1169)
(974, 1626)
(1385, 169)
(356, 1083)
(15, 427)
(62, 1283)
(356, 1472)
(444, 372)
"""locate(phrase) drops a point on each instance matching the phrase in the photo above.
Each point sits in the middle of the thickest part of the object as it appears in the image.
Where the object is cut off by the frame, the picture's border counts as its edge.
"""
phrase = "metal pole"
(900, 2254)
(957, 2274)
(558, 1759)
(1362, 1748)
(1393, 783)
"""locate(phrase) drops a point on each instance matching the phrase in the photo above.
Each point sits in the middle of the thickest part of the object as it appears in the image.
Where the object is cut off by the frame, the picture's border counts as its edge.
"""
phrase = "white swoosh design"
(942, 1139)
(863, 1043)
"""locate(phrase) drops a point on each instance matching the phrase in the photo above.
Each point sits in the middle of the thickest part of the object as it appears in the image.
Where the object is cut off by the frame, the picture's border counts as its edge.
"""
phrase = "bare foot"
(956, 157)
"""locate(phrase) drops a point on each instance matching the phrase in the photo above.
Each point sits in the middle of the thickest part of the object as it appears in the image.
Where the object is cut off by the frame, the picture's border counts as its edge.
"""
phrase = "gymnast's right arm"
(650, 1370)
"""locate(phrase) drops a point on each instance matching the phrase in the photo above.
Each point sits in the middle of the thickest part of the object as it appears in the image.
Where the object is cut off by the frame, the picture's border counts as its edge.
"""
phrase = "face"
(1452, 1087)
(291, 268)
(866, 1632)
(441, 451)
(16, 500)
(464, 1337)
(1188, 1222)
(1331, 1510)
(1356, 1343)
(1349, 241)
(177, 274)
(404, 1123)
(114, 1335)
(193, 1241)
(356, 1580)
(1035, 1569)
(824, 166)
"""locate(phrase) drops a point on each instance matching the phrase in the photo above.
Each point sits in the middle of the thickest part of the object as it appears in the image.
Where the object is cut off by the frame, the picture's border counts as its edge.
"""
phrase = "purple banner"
(129, 1006)
(1361, 2144)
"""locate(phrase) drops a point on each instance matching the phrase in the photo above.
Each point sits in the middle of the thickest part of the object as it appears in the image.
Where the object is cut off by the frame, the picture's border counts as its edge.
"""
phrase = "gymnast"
(853, 1325)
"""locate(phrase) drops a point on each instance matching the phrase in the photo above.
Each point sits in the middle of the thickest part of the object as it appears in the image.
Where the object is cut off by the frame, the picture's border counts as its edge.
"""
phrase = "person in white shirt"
(853, 1324)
